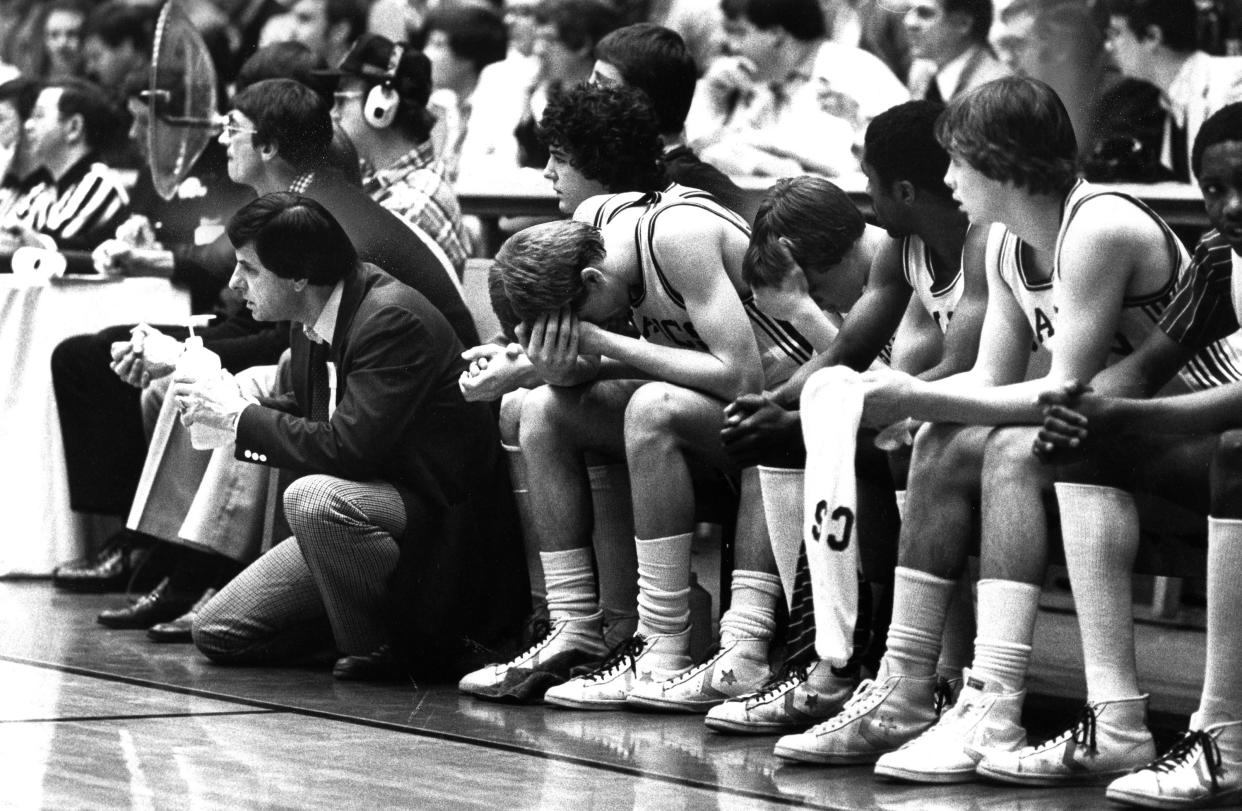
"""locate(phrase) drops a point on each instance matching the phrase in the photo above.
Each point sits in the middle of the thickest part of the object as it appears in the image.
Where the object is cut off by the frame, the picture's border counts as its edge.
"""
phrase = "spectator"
(71, 124)
(696, 22)
(463, 40)
(1116, 119)
(402, 172)
(874, 26)
(949, 41)
(116, 41)
(655, 60)
(17, 176)
(327, 27)
(786, 101)
(62, 40)
(1155, 40)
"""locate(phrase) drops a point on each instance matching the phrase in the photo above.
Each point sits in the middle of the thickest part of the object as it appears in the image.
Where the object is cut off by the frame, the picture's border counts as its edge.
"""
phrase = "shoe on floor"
(566, 642)
(881, 716)
(1110, 739)
(986, 717)
(738, 668)
(641, 658)
(179, 630)
(109, 570)
(796, 699)
(1202, 770)
(378, 665)
(156, 606)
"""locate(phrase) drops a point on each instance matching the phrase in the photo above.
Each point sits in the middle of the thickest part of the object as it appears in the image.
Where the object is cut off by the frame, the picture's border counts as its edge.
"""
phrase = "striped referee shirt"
(1201, 315)
(415, 189)
(81, 209)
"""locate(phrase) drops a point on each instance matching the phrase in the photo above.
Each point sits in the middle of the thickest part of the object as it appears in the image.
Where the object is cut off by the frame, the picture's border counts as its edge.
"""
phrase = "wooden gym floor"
(93, 718)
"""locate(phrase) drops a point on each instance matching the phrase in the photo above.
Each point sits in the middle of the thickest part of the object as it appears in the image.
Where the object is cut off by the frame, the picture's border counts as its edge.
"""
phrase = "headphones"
(381, 102)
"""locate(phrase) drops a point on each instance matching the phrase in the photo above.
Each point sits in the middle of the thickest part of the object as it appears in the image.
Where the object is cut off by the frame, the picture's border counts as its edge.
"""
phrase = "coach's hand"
(551, 344)
(215, 400)
(757, 431)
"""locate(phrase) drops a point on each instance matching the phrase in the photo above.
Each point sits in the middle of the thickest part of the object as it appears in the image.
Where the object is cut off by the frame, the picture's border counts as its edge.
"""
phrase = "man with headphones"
(381, 104)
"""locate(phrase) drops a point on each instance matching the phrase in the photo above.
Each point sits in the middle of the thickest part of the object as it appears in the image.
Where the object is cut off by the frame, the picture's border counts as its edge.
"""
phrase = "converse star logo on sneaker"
(727, 677)
(811, 701)
(645, 675)
(881, 732)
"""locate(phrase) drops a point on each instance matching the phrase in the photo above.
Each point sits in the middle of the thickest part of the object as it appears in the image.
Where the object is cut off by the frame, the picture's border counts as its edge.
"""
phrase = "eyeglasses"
(231, 127)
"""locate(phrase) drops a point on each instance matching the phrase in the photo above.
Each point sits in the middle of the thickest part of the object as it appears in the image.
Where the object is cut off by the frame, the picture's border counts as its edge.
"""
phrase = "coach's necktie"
(933, 91)
(320, 391)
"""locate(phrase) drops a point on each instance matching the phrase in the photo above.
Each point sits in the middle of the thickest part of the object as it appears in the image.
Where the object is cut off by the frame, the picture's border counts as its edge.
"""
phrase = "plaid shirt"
(415, 189)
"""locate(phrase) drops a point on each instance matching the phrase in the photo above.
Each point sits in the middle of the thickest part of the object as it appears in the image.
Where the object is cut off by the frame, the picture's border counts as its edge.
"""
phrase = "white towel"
(831, 405)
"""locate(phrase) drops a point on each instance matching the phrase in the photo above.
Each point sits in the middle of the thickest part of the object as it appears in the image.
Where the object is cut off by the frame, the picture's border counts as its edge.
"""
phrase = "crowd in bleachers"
(339, 469)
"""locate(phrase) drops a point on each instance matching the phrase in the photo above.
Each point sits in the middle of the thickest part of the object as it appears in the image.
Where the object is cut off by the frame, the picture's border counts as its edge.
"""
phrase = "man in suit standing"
(1156, 40)
(949, 42)
(374, 420)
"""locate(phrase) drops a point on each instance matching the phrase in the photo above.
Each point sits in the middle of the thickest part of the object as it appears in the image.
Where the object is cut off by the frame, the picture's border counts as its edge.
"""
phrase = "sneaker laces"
(1183, 752)
(943, 696)
(791, 675)
(541, 630)
(1082, 732)
(619, 659)
(857, 704)
(712, 655)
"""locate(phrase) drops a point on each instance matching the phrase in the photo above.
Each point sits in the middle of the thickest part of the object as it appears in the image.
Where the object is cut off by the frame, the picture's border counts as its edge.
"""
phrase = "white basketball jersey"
(916, 265)
(658, 309)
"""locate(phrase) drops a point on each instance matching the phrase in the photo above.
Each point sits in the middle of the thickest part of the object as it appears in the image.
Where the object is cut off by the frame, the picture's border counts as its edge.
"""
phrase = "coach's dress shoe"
(156, 606)
(379, 665)
(179, 630)
(109, 570)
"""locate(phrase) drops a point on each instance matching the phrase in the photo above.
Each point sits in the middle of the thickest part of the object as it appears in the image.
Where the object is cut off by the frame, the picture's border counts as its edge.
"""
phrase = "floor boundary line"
(139, 717)
(424, 733)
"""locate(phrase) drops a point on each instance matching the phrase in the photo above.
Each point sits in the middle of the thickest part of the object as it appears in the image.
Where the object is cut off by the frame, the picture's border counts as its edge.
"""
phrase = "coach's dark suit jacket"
(401, 418)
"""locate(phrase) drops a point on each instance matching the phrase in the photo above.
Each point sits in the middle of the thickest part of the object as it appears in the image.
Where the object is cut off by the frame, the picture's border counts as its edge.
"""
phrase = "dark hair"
(117, 22)
(819, 219)
(22, 93)
(295, 237)
(347, 11)
(101, 124)
(579, 23)
(291, 117)
(655, 60)
(609, 134)
(803, 19)
(901, 144)
(980, 13)
(539, 270)
(1176, 19)
(1223, 125)
(1013, 130)
(475, 32)
(282, 60)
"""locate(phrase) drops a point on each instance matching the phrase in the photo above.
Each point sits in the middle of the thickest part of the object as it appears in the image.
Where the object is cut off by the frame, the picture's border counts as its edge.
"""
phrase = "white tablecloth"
(37, 528)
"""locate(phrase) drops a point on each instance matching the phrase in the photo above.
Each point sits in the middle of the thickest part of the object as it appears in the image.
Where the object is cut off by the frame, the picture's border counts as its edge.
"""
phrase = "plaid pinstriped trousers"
(334, 568)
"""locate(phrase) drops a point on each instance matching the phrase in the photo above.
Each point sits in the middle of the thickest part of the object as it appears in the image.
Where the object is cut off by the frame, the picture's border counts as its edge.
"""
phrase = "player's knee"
(1008, 455)
(940, 452)
(650, 417)
(542, 418)
(511, 416)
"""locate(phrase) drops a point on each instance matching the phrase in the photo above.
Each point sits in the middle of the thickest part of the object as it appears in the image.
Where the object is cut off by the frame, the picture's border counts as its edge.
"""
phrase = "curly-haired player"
(601, 139)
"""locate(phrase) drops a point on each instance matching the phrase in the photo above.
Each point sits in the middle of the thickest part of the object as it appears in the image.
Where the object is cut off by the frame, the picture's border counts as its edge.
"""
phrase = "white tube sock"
(1222, 689)
(571, 583)
(1007, 612)
(752, 608)
(919, 604)
(1100, 528)
(664, 584)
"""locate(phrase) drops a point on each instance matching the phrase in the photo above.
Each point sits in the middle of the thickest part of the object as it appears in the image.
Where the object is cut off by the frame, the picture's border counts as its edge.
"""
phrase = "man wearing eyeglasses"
(403, 174)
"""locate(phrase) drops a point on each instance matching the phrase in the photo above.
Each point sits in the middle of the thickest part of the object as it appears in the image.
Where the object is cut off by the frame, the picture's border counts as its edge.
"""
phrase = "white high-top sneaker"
(985, 717)
(1202, 770)
(738, 668)
(567, 644)
(1110, 738)
(881, 716)
(654, 658)
(797, 699)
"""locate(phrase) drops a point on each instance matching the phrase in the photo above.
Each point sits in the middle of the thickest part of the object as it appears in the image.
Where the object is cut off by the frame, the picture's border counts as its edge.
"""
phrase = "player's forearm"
(693, 369)
(950, 400)
(1204, 412)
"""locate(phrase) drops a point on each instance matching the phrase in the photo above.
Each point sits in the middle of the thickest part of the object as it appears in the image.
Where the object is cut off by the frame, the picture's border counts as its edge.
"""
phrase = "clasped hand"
(494, 371)
(1069, 410)
(757, 430)
(148, 355)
